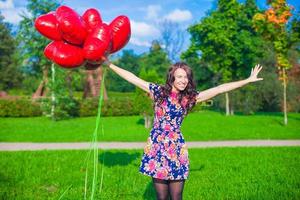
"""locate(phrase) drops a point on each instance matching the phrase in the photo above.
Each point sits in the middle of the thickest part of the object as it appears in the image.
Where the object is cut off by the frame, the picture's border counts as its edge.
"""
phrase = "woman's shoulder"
(155, 90)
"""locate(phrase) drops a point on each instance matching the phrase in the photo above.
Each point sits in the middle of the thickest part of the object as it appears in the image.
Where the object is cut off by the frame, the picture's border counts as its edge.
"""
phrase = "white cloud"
(6, 4)
(11, 13)
(139, 42)
(179, 15)
(142, 29)
(152, 12)
(143, 33)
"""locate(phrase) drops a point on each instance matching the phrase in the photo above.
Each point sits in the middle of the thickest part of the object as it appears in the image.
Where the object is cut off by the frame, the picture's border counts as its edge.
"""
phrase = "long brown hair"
(189, 92)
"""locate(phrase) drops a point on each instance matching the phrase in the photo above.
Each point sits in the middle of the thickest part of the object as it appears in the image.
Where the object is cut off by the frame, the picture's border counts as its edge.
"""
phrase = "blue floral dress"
(166, 155)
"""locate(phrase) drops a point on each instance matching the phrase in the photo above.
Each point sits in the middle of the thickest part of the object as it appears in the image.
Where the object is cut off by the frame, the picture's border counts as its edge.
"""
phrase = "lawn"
(216, 173)
(204, 125)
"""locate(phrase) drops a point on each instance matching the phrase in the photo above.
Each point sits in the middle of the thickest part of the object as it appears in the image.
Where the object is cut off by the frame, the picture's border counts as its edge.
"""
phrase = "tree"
(172, 39)
(272, 24)
(156, 59)
(32, 44)
(226, 42)
(142, 99)
(60, 103)
(9, 74)
(128, 61)
(153, 68)
(92, 83)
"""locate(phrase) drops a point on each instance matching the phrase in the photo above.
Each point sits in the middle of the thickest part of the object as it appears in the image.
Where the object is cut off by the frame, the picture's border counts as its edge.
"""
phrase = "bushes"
(263, 96)
(111, 107)
(67, 108)
(64, 107)
(19, 108)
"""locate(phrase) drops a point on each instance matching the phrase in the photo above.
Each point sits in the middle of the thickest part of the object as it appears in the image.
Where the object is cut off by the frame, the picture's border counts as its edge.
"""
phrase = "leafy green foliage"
(32, 43)
(111, 107)
(10, 76)
(226, 41)
(272, 24)
(154, 62)
(62, 105)
(19, 108)
(156, 59)
(128, 61)
(142, 99)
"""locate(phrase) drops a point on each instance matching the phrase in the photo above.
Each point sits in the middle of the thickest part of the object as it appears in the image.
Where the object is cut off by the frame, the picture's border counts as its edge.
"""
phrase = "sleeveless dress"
(165, 154)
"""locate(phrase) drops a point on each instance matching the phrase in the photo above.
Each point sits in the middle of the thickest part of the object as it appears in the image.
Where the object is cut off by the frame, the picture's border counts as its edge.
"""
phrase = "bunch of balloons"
(81, 40)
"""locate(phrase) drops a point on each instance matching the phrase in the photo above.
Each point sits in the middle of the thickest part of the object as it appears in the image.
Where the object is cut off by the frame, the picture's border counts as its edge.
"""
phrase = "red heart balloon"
(64, 54)
(98, 43)
(71, 24)
(121, 32)
(92, 19)
(47, 25)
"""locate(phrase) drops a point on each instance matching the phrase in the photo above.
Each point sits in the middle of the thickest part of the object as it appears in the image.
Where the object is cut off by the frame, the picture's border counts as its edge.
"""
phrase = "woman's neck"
(174, 90)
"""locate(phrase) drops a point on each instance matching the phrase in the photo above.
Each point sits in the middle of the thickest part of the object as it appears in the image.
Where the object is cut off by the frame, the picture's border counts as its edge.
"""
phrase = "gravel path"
(27, 146)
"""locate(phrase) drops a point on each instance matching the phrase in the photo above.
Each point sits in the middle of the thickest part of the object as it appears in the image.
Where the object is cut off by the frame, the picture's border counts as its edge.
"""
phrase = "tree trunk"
(42, 90)
(227, 104)
(231, 110)
(231, 106)
(147, 120)
(284, 96)
(89, 88)
(99, 75)
(93, 83)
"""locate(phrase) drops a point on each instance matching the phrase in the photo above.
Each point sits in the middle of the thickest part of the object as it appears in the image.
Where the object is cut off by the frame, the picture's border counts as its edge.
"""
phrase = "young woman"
(165, 157)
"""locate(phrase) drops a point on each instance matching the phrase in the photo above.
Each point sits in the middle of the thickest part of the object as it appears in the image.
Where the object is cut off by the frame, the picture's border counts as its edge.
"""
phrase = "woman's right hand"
(106, 60)
(254, 72)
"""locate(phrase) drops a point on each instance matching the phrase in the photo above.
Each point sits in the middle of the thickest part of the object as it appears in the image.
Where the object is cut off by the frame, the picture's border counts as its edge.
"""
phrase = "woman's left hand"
(254, 72)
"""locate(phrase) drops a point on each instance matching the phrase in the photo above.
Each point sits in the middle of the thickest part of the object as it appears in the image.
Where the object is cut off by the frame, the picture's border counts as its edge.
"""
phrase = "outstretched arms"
(212, 92)
(130, 77)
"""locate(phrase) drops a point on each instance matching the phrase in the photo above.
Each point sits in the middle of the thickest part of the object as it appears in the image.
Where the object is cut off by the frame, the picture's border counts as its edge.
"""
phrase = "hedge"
(19, 107)
(87, 107)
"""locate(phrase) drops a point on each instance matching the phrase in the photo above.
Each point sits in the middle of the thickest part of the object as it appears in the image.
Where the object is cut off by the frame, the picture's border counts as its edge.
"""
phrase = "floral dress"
(165, 155)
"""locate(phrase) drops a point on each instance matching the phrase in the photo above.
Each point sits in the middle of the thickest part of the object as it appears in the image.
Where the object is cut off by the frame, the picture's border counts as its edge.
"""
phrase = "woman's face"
(181, 79)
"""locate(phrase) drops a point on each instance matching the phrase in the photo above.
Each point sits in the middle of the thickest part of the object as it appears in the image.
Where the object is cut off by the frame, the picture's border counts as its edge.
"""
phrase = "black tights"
(165, 187)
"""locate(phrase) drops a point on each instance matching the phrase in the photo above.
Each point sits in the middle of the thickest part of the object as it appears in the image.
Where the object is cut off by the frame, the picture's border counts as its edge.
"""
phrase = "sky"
(145, 16)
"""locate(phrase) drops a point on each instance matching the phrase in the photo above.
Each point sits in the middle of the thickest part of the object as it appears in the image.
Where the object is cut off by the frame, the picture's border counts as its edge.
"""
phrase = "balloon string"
(65, 192)
(95, 139)
(94, 147)
(53, 92)
(102, 169)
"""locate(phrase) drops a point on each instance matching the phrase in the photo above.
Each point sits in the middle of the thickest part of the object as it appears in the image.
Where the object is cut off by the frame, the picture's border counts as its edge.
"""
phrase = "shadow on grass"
(4, 178)
(117, 158)
(270, 114)
(149, 193)
(276, 114)
(141, 121)
(278, 122)
(200, 168)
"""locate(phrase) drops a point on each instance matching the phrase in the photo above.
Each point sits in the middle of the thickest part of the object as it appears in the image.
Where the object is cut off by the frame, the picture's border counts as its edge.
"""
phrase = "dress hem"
(168, 179)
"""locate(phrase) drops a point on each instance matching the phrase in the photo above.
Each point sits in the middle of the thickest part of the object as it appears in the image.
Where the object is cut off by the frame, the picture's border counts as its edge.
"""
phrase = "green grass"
(216, 173)
(206, 125)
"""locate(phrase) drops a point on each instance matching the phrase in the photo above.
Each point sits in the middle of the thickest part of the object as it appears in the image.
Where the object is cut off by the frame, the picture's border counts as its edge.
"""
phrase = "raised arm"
(226, 87)
(130, 77)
